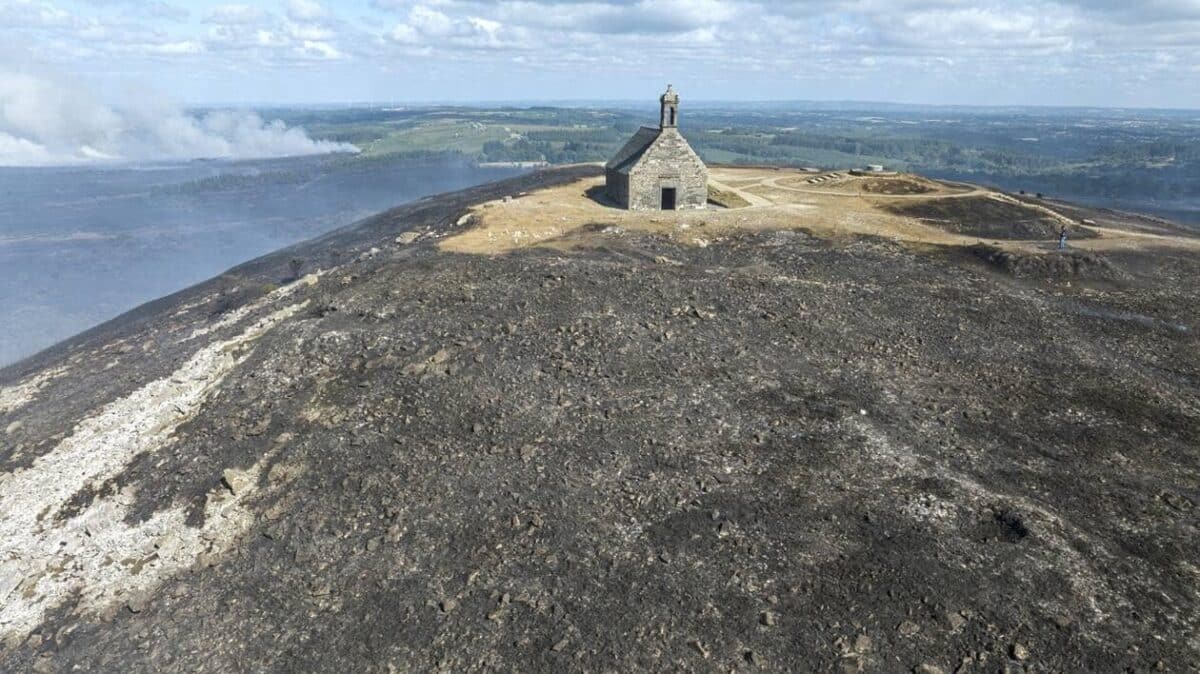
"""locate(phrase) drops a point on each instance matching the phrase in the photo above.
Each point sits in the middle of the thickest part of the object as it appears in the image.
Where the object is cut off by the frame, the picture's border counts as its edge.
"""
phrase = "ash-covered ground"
(775, 451)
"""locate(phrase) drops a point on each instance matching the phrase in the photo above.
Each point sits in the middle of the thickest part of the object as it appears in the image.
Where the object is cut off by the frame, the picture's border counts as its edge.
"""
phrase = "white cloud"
(306, 32)
(434, 28)
(305, 10)
(405, 34)
(32, 13)
(320, 50)
(180, 48)
(164, 10)
(735, 44)
(236, 15)
(430, 22)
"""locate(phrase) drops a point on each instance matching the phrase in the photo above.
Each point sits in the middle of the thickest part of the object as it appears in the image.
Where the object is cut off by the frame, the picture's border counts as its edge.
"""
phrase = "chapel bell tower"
(670, 109)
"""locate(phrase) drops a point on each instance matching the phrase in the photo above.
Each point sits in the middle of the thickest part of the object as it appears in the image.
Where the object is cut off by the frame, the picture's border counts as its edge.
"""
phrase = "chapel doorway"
(668, 198)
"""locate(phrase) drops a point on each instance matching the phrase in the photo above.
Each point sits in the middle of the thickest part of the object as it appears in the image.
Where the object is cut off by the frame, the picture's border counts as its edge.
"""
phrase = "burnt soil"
(988, 218)
(774, 453)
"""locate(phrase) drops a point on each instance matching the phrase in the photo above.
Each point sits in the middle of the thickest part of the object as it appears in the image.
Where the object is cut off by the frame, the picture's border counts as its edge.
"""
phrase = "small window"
(673, 111)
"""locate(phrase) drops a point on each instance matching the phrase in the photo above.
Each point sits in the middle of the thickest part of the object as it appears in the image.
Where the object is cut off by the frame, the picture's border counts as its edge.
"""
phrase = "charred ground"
(774, 451)
(990, 218)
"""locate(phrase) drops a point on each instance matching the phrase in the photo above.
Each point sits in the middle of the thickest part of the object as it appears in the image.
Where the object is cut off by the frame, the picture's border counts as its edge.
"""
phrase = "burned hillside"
(720, 446)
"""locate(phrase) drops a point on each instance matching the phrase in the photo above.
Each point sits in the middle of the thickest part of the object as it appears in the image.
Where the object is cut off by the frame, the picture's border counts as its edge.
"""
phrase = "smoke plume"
(45, 121)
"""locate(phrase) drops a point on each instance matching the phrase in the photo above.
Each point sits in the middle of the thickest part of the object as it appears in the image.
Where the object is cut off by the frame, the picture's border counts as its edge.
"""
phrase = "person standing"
(1062, 238)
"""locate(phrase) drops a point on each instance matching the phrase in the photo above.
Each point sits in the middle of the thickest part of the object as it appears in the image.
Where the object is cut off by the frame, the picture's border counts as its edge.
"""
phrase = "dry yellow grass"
(567, 215)
(726, 198)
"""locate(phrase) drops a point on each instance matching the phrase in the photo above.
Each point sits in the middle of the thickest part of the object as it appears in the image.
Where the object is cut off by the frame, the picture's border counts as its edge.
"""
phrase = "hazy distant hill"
(80, 245)
(1138, 160)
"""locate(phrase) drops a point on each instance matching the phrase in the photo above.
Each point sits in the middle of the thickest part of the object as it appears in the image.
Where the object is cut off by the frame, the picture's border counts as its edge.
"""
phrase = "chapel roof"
(629, 155)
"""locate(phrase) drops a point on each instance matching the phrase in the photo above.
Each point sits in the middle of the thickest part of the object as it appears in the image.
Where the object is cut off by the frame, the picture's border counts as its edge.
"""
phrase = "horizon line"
(638, 102)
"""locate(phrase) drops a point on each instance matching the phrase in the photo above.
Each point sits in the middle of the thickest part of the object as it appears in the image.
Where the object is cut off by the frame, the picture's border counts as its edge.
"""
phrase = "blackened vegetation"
(1059, 264)
(987, 217)
(769, 453)
(1005, 525)
(295, 268)
(235, 293)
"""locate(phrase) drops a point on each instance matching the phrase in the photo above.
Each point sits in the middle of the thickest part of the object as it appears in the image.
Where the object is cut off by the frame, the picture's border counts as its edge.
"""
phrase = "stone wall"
(669, 162)
(617, 186)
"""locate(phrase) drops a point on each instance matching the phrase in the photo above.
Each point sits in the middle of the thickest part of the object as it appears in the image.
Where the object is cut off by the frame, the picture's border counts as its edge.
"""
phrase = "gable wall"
(670, 162)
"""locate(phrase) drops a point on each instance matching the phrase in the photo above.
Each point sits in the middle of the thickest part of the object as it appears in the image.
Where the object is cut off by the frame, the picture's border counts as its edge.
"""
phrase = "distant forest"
(1147, 160)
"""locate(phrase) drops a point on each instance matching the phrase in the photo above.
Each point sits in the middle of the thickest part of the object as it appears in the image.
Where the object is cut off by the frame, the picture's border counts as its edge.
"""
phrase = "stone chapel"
(657, 169)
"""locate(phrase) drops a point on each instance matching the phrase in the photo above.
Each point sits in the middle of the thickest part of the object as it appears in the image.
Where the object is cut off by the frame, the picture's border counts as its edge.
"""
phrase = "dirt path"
(1120, 238)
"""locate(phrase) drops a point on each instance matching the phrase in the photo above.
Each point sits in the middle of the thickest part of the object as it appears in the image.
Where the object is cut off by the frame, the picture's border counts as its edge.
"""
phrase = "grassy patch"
(456, 135)
(725, 199)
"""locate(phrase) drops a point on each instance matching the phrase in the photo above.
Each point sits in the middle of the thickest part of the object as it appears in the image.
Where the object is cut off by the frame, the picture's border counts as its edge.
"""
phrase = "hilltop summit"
(863, 424)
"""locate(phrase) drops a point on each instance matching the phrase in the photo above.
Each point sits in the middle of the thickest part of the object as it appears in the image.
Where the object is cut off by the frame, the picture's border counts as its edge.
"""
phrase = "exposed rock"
(136, 604)
(852, 664)
(238, 481)
(955, 620)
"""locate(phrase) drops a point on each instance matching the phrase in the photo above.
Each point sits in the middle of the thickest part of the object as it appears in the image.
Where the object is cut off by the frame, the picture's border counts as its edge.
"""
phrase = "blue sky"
(1122, 53)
